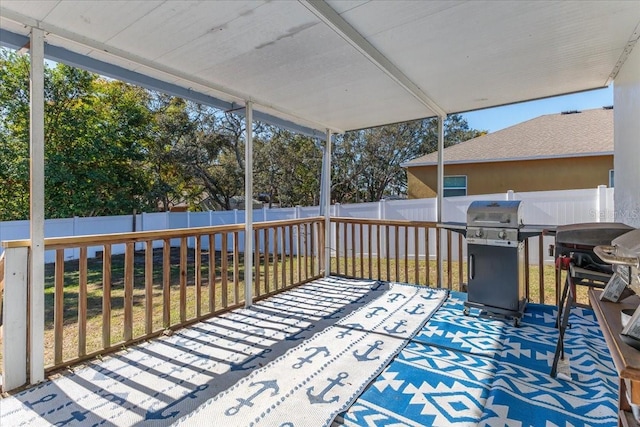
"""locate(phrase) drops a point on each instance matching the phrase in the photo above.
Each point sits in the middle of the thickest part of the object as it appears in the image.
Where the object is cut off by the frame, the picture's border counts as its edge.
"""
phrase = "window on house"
(455, 185)
(611, 178)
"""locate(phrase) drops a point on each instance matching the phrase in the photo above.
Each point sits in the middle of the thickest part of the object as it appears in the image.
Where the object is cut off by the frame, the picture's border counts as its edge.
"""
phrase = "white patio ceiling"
(341, 65)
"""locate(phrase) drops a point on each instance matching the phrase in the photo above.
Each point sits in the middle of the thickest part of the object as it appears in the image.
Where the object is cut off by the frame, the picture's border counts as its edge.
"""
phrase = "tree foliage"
(94, 133)
(112, 148)
(366, 164)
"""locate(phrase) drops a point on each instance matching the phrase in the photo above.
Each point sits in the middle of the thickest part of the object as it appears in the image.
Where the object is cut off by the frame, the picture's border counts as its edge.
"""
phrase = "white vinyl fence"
(539, 208)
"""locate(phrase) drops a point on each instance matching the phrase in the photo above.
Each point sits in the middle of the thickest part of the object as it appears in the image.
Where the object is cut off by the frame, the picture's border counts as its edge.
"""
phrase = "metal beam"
(58, 54)
(327, 204)
(440, 195)
(248, 206)
(36, 223)
(332, 19)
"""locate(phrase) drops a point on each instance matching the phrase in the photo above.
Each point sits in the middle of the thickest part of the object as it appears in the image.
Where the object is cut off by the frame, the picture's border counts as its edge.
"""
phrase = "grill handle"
(472, 267)
(608, 255)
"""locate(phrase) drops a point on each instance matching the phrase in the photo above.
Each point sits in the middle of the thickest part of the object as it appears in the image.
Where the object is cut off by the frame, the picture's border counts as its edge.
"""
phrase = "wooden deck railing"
(119, 289)
(163, 281)
(410, 251)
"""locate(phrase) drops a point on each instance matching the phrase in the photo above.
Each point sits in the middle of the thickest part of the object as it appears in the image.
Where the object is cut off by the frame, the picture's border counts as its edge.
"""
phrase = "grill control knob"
(479, 232)
(502, 234)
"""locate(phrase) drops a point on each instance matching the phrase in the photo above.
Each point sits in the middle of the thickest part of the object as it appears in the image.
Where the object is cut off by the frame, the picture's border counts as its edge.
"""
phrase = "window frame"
(445, 188)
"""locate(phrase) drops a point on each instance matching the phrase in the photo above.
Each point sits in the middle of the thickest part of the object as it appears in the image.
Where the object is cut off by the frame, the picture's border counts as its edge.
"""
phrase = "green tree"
(287, 168)
(14, 131)
(366, 164)
(95, 131)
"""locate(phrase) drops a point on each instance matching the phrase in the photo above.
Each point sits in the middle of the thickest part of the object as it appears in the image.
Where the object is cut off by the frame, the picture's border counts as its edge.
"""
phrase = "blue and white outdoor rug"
(299, 357)
(327, 348)
(468, 371)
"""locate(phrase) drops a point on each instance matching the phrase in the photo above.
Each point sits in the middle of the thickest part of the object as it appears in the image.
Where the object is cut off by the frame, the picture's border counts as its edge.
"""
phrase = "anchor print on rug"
(396, 328)
(248, 402)
(374, 312)
(161, 413)
(365, 356)
(320, 397)
(308, 359)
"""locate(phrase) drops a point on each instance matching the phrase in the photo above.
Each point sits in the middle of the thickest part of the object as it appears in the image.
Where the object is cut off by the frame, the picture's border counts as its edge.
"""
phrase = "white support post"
(440, 199)
(248, 207)
(14, 319)
(327, 205)
(36, 258)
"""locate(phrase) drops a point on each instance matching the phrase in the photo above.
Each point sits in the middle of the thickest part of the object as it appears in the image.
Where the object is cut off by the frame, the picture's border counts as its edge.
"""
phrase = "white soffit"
(462, 55)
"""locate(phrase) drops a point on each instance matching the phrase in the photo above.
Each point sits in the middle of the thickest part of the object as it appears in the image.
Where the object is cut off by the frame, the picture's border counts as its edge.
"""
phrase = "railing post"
(14, 319)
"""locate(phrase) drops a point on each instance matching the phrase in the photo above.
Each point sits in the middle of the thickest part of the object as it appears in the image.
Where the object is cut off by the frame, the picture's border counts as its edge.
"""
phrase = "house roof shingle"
(586, 133)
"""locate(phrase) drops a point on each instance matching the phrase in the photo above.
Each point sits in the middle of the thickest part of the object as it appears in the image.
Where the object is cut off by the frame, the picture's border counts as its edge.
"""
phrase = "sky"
(494, 119)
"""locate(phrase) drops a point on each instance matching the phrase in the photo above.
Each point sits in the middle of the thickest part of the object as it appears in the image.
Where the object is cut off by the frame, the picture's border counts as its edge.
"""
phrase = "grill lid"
(495, 214)
(628, 244)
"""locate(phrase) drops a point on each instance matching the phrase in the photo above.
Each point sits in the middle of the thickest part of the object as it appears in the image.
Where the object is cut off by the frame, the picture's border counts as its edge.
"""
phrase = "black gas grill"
(624, 255)
(575, 252)
(495, 263)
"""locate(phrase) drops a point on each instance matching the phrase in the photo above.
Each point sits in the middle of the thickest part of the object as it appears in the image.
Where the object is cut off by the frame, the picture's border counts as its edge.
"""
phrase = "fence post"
(14, 319)
(601, 203)
(382, 209)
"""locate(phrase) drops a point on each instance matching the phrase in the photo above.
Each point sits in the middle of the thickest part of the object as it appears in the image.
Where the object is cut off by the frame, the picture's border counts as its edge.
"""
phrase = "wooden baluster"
(148, 287)
(183, 279)
(438, 257)
(224, 267)
(267, 257)
(275, 258)
(166, 283)
(128, 291)
(299, 227)
(361, 251)
(198, 274)
(427, 254)
(106, 297)
(284, 258)
(353, 250)
(256, 257)
(388, 252)
(541, 269)
(460, 263)
(526, 268)
(307, 258)
(416, 253)
(379, 251)
(449, 271)
(82, 302)
(290, 282)
(321, 240)
(370, 250)
(212, 273)
(58, 313)
(236, 267)
(406, 254)
(337, 248)
(396, 246)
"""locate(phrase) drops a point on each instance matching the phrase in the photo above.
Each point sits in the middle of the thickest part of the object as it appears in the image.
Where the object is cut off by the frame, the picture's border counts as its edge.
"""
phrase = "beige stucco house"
(568, 150)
